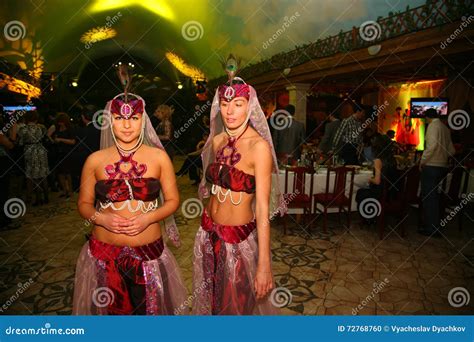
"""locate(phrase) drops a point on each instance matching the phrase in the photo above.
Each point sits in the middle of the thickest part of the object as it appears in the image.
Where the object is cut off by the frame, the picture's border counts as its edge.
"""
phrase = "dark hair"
(64, 118)
(391, 133)
(290, 109)
(31, 116)
(431, 113)
(235, 82)
(382, 149)
(398, 108)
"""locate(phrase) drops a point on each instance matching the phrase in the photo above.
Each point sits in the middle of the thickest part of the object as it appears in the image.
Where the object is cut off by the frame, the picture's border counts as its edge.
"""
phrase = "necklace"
(233, 157)
(136, 146)
(116, 171)
(222, 156)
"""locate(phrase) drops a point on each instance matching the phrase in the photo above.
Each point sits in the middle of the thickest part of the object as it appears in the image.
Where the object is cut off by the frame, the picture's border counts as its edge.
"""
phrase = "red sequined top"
(229, 177)
(117, 190)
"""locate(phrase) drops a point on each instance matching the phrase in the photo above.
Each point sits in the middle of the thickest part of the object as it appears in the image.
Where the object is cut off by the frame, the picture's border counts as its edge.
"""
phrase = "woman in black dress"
(385, 174)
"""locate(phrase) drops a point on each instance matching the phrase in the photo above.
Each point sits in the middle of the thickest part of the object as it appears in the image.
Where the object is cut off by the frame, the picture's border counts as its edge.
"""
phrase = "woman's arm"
(377, 179)
(171, 198)
(66, 141)
(263, 178)
(51, 131)
(85, 202)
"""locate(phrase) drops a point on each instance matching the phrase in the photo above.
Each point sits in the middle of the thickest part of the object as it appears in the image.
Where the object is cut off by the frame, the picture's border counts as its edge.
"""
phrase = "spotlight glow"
(159, 7)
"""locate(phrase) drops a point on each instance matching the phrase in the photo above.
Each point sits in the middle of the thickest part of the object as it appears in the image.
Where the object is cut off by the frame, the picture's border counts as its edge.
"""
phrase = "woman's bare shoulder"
(100, 156)
(152, 153)
(219, 138)
(258, 143)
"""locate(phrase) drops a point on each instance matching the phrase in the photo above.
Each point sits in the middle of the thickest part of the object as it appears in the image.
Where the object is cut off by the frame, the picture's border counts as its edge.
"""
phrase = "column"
(297, 93)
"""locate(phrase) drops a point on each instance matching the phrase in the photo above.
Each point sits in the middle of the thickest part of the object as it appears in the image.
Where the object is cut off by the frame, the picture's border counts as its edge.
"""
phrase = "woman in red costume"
(232, 257)
(127, 188)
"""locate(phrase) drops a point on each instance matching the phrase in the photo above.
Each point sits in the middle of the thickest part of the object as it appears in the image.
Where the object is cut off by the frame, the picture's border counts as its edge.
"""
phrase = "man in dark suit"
(289, 138)
(325, 146)
(90, 133)
(88, 140)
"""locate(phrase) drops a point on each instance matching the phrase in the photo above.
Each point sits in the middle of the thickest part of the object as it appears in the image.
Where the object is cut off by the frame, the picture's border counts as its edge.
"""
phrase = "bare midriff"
(150, 234)
(227, 213)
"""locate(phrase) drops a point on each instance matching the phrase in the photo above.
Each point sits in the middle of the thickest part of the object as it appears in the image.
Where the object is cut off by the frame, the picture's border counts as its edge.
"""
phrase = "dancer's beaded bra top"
(227, 176)
(127, 185)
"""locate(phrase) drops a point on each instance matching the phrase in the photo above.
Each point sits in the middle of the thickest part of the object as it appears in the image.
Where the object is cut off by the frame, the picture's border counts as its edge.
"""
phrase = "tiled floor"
(345, 271)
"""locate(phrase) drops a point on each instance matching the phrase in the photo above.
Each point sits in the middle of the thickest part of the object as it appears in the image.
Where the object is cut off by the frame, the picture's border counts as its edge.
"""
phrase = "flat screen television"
(418, 106)
(12, 109)
(14, 112)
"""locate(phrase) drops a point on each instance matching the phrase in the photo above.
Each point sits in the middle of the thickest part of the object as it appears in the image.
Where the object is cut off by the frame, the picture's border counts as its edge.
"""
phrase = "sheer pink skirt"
(225, 263)
(102, 288)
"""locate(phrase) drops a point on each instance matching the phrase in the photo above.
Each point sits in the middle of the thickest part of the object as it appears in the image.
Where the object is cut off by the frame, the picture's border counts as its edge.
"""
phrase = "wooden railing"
(432, 14)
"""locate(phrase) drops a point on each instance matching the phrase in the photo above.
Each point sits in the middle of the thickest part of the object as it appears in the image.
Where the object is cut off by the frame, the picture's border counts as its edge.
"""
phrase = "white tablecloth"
(319, 185)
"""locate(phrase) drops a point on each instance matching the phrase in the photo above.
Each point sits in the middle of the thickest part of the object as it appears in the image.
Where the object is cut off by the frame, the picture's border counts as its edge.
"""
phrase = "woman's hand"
(113, 222)
(263, 283)
(137, 225)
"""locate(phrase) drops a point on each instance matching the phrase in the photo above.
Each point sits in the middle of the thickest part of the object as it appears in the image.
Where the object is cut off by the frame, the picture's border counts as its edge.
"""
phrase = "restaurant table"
(361, 179)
